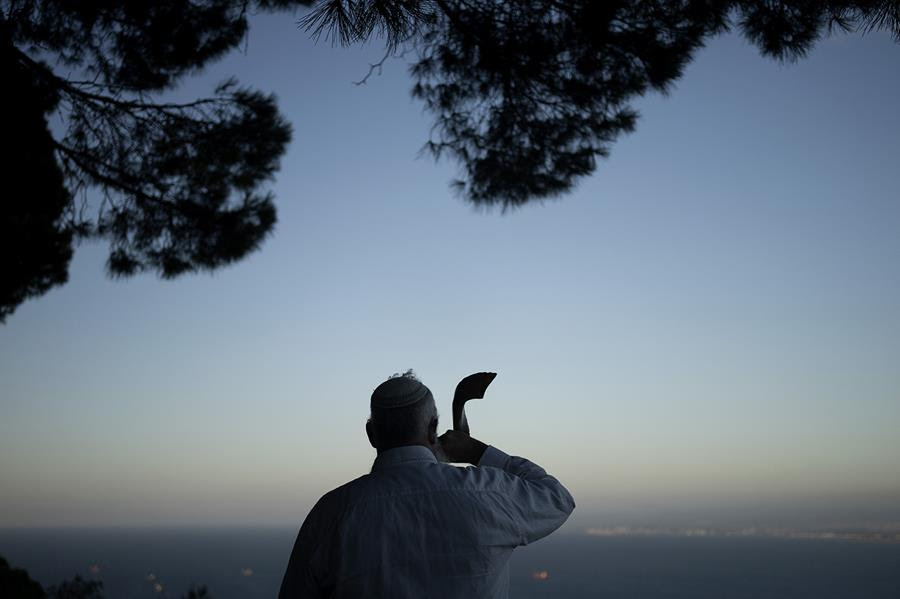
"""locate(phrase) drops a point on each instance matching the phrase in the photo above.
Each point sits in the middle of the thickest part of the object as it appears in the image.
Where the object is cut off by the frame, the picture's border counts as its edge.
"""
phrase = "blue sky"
(710, 323)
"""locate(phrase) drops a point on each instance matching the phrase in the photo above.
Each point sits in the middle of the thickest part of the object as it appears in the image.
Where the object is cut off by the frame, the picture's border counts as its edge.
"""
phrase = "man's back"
(417, 528)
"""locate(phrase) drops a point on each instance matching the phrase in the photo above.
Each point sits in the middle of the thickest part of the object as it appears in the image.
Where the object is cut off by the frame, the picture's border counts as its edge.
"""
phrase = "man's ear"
(370, 432)
(432, 431)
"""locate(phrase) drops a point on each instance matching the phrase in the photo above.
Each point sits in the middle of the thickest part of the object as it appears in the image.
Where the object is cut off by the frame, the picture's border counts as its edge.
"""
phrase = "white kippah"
(398, 392)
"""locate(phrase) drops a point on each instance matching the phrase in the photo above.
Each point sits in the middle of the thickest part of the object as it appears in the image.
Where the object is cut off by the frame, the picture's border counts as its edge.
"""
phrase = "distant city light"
(540, 575)
(95, 568)
(882, 535)
(247, 572)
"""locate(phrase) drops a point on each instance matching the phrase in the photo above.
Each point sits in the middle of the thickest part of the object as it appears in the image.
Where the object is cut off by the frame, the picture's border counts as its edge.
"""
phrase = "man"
(417, 528)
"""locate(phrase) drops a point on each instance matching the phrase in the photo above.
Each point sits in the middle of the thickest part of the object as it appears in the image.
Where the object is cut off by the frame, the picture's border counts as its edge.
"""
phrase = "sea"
(247, 563)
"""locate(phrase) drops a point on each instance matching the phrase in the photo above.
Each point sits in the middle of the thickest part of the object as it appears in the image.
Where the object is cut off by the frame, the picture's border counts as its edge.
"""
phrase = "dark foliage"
(77, 588)
(35, 245)
(527, 94)
(173, 187)
(15, 582)
(355, 21)
(196, 593)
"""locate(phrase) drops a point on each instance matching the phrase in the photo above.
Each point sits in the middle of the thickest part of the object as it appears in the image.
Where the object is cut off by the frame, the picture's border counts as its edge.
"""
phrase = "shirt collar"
(407, 454)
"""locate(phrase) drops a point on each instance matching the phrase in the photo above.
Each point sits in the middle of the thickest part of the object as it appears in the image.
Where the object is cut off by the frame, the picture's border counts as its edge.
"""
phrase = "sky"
(706, 330)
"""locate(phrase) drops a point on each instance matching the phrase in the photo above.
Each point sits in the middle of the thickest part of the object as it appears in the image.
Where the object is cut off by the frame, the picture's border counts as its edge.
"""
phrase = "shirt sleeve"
(536, 501)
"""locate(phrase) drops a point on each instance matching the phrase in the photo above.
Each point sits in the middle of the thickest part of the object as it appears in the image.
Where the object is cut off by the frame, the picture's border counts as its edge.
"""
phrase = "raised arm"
(537, 503)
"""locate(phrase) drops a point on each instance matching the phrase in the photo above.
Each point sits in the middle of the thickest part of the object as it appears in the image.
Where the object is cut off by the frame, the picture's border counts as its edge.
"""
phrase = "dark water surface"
(238, 563)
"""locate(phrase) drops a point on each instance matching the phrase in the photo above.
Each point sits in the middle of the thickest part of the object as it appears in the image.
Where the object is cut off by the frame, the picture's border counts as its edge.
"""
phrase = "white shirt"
(416, 528)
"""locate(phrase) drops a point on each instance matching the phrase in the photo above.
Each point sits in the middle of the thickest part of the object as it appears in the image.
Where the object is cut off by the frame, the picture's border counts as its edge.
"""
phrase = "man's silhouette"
(415, 527)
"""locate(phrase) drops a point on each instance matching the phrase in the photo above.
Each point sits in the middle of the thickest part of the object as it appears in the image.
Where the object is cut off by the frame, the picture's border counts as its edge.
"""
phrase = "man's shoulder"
(346, 491)
(436, 477)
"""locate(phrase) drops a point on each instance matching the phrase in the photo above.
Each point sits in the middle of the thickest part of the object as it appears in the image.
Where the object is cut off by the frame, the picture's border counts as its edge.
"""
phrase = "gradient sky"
(709, 325)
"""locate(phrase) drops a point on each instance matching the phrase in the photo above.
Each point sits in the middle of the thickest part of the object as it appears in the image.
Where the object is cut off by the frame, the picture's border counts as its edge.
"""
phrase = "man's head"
(403, 413)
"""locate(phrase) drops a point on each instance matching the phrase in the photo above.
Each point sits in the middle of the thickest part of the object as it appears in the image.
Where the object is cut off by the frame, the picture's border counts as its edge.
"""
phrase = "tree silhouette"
(527, 94)
(15, 582)
(176, 187)
(77, 588)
